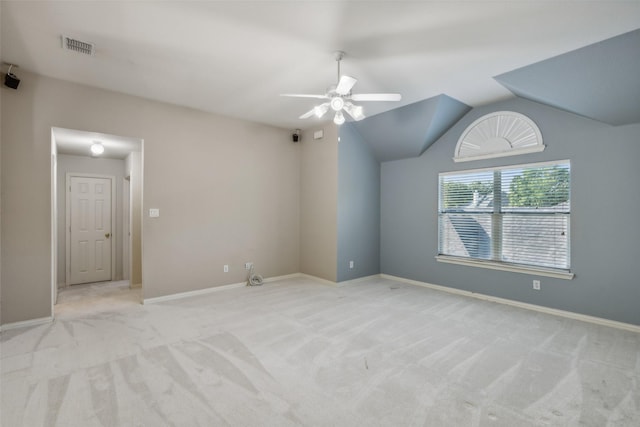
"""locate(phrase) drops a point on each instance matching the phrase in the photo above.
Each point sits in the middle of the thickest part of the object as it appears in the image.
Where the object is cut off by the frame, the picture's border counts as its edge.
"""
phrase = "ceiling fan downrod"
(338, 55)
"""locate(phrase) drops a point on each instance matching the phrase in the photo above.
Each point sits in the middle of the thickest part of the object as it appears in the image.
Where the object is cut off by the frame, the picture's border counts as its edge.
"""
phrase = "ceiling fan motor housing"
(337, 103)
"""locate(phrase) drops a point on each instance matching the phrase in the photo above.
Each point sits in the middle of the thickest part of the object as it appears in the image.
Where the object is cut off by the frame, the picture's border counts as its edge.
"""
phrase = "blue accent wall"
(605, 219)
(358, 206)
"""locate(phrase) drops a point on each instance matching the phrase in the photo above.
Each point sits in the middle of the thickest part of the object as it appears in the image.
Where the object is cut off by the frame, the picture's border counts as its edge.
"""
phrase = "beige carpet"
(94, 298)
(298, 352)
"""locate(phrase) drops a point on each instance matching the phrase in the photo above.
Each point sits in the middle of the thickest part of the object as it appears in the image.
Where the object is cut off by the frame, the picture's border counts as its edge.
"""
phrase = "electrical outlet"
(536, 285)
(226, 268)
(350, 264)
(248, 265)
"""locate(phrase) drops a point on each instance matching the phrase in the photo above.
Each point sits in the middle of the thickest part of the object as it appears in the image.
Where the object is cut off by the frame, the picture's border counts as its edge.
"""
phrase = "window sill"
(537, 271)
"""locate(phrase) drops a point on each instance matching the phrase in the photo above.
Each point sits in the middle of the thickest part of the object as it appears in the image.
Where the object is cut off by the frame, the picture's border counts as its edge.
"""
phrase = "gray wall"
(99, 166)
(318, 202)
(605, 234)
(358, 206)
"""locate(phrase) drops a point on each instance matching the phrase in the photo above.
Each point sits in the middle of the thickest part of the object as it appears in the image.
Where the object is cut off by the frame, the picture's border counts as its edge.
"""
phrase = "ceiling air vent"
(79, 46)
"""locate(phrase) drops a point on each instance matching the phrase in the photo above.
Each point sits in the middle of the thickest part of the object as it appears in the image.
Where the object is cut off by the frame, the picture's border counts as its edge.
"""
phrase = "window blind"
(516, 214)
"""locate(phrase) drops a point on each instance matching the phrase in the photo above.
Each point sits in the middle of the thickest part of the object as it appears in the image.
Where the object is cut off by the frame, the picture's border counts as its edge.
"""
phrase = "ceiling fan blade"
(308, 114)
(345, 85)
(376, 97)
(304, 95)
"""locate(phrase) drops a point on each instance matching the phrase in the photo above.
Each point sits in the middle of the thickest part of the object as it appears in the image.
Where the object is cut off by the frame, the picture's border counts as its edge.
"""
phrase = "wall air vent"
(79, 46)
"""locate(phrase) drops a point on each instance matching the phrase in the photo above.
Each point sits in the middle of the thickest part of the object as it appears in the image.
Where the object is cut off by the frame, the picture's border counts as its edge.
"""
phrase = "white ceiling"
(235, 57)
(78, 143)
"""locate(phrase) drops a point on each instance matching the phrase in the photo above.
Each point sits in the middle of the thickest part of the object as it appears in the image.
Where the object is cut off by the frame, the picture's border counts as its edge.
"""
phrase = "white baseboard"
(317, 279)
(339, 284)
(212, 289)
(277, 278)
(26, 323)
(527, 306)
(358, 279)
(321, 280)
(188, 294)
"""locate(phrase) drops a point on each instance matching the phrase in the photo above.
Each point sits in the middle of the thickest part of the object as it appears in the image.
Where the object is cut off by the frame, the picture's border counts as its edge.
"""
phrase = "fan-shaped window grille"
(503, 133)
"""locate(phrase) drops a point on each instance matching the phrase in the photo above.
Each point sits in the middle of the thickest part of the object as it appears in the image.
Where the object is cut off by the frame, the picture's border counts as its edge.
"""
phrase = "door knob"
(107, 235)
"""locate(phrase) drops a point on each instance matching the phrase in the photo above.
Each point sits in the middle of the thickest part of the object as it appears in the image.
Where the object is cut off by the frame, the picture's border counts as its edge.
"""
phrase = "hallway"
(94, 298)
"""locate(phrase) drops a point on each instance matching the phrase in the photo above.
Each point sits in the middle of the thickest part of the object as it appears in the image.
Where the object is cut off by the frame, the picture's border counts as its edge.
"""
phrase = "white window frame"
(500, 265)
(498, 134)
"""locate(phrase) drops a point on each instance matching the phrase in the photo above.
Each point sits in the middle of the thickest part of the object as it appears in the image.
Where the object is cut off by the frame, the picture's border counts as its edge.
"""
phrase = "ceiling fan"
(339, 98)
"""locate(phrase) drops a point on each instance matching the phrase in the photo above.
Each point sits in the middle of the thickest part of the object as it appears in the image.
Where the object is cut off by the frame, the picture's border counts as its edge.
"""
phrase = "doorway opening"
(96, 213)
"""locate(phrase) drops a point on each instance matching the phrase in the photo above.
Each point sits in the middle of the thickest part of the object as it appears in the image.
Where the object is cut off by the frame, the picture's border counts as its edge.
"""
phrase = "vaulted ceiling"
(235, 57)
(408, 131)
(600, 81)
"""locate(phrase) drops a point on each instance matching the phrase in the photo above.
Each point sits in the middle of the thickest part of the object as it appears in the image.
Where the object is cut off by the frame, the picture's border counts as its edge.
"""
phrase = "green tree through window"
(540, 187)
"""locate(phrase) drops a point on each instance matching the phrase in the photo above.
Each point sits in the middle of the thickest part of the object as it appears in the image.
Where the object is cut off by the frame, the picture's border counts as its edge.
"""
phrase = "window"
(513, 218)
(499, 134)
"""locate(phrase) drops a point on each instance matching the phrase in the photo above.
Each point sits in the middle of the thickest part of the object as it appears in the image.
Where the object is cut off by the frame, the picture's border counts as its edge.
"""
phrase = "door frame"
(126, 228)
(68, 220)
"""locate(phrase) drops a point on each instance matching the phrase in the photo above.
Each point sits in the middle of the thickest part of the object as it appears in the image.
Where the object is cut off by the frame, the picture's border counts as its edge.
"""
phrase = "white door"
(90, 230)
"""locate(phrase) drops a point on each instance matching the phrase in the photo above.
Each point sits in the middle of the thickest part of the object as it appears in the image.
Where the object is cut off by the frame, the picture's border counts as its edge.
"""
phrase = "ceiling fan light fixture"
(97, 148)
(338, 97)
(320, 110)
(355, 111)
(337, 103)
(358, 114)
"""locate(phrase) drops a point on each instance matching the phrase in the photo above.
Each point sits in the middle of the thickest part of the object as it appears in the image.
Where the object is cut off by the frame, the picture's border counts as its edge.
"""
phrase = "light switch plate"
(154, 213)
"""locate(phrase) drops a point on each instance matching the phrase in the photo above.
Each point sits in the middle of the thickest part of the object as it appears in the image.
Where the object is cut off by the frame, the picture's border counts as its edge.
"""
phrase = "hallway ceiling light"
(97, 148)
